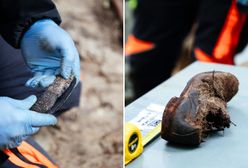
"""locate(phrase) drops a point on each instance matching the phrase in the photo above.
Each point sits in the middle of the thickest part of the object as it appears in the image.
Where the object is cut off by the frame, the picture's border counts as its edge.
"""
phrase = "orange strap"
(134, 45)
(16, 161)
(204, 57)
(31, 154)
(34, 155)
(229, 37)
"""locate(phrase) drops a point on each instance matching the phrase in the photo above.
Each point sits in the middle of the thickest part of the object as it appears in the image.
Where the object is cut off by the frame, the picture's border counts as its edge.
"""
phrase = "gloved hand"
(17, 122)
(48, 51)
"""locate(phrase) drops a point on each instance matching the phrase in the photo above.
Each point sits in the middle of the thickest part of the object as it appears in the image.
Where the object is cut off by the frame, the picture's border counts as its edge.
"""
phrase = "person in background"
(161, 26)
(33, 49)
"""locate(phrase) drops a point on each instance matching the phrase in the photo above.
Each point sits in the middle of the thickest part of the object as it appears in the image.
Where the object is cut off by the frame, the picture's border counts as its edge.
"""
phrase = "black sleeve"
(16, 16)
(242, 7)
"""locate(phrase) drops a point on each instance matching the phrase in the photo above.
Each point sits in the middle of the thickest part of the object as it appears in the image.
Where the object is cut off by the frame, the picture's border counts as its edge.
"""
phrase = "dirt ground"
(91, 135)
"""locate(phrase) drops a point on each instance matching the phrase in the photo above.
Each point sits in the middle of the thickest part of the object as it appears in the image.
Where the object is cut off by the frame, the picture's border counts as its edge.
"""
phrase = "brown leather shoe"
(200, 109)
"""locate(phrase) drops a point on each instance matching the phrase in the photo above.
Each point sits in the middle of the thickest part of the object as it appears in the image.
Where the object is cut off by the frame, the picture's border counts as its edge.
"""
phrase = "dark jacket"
(16, 16)
(243, 7)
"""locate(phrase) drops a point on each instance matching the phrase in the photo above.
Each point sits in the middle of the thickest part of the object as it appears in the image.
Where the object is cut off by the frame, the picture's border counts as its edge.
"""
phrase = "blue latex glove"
(48, 51)
(17, 122)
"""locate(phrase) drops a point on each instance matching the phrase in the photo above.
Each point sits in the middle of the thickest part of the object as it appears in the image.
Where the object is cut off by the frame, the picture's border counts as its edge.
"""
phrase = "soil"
(91, 135)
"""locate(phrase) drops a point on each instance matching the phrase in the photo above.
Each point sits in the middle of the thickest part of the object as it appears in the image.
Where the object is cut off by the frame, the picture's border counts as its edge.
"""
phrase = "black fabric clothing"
(7, 163)
(242, 7)
(16, 16)
(166, 23)
(3, 157)
(14, 74)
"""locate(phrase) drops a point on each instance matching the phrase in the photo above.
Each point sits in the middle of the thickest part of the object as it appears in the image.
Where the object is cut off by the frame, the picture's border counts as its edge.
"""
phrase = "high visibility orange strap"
(229, 37)
(17, 161)
(34, 155)
(204, 57)
(134, 45)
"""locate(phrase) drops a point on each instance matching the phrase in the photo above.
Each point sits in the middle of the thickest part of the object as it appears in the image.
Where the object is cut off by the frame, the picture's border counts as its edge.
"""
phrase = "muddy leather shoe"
(200, 109)
(55, 96)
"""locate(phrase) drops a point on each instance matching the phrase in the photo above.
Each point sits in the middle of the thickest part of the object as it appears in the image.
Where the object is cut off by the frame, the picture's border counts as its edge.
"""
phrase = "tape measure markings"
(140, 130)
(148, 119)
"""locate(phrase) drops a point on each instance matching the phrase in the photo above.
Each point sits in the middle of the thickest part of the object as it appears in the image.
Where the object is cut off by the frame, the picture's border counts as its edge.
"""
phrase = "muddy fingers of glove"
(200, 109)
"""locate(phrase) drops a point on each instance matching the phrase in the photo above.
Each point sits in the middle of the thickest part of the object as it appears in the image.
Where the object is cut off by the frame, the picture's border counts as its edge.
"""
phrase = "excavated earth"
(91, 135)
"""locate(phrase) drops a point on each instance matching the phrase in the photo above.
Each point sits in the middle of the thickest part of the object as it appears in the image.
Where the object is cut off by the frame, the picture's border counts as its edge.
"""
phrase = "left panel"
(61, 90)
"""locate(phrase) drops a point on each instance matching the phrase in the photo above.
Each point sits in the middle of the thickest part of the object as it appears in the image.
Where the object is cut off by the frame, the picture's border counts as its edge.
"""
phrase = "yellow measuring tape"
(134, 141)
(153, 133)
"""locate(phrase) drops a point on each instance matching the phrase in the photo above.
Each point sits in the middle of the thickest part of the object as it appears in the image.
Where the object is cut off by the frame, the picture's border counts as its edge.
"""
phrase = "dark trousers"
(161, 26)
(13, 76)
